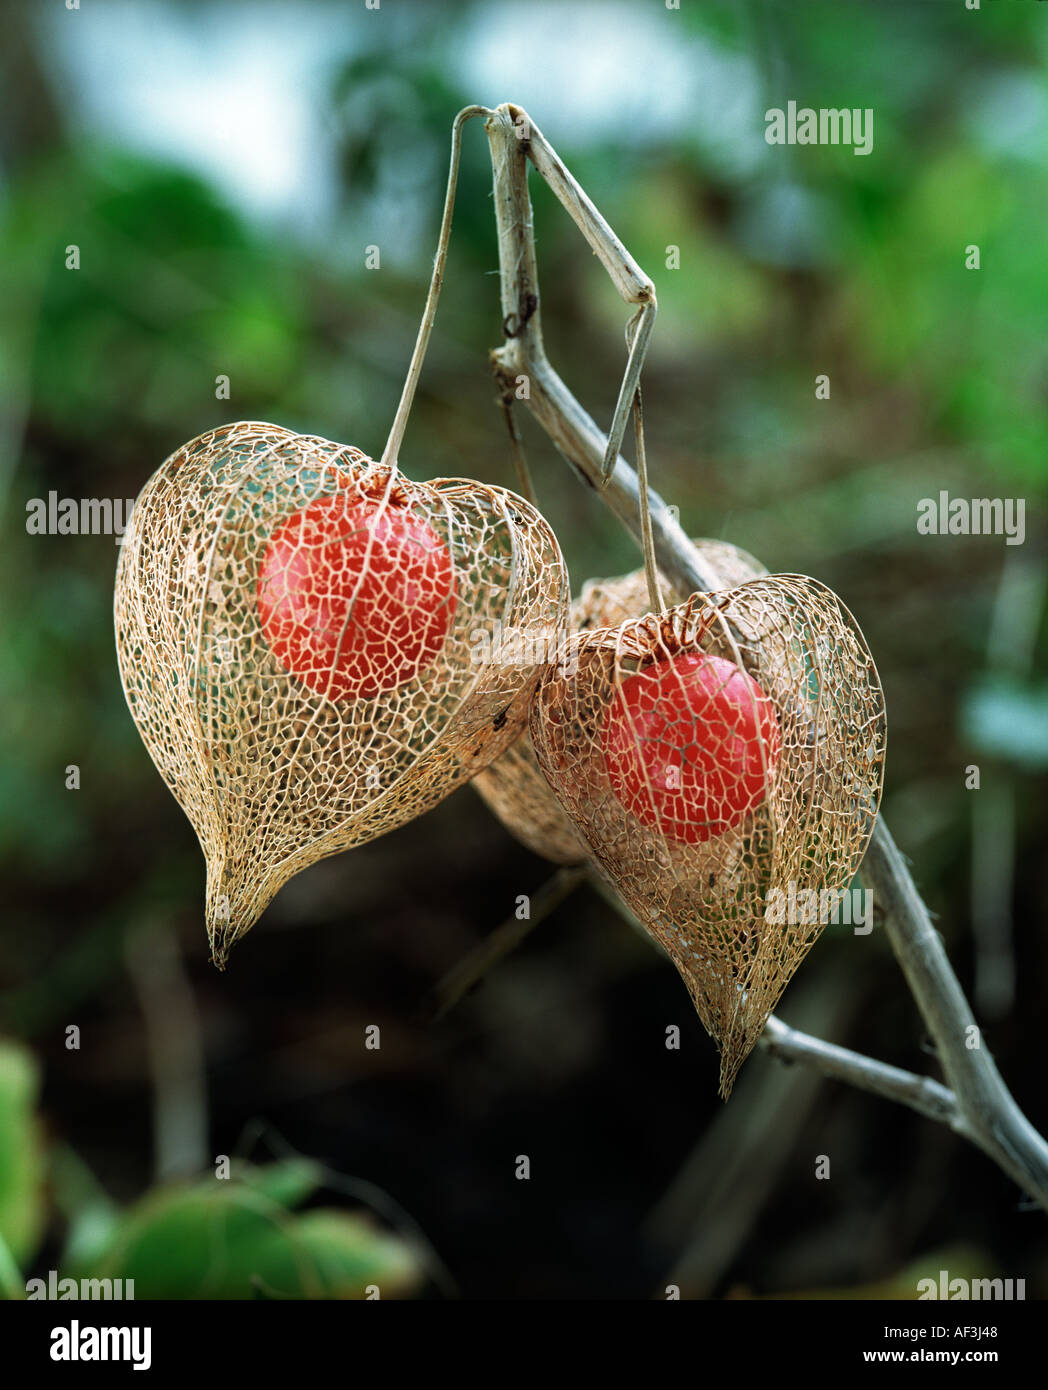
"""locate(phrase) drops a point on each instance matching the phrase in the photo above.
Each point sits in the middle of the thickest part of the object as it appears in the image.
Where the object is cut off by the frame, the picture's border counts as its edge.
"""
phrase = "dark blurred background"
(222, 168)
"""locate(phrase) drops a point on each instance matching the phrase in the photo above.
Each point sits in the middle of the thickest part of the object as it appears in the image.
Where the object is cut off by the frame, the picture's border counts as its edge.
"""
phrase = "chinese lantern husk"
(273, 775)
(705, 903)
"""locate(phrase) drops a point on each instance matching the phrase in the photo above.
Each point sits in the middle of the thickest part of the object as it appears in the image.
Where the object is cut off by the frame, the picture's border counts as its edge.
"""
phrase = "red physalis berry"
(356, 595)
(689, 745)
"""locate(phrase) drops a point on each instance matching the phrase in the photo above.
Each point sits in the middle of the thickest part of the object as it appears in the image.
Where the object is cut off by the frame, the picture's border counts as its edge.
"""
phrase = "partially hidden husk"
(513, 787)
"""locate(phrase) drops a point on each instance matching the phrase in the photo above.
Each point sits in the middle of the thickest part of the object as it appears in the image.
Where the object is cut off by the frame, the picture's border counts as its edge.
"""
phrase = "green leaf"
(288, 1183)
(335, 1254)
(229, 1239)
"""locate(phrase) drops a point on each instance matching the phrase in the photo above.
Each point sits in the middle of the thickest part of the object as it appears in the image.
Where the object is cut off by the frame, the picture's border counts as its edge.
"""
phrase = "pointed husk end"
(237, 896)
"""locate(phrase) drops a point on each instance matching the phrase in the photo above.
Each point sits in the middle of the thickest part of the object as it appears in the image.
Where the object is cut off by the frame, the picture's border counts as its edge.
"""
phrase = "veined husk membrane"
(820, 761)
(278, 763)
(513, 787)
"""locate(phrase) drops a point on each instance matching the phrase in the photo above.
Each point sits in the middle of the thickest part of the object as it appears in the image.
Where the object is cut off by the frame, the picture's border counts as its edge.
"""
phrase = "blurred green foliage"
(240, 1237)
(21, 1166)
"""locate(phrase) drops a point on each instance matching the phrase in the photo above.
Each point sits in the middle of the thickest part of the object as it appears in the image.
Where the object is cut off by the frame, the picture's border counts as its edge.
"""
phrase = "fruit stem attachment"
(391, 452)
(516, 447)
(651, 572)
(638, 335)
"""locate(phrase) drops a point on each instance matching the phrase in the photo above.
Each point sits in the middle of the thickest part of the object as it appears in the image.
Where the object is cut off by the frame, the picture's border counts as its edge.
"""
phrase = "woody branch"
(977, 1105)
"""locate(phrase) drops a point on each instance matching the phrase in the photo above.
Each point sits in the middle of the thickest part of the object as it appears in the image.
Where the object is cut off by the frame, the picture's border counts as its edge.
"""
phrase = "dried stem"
(920, 1093)
(516, 448)
(391, 453)
(989, 1115)
(981, 1107)
(506, 937)
(651, 572)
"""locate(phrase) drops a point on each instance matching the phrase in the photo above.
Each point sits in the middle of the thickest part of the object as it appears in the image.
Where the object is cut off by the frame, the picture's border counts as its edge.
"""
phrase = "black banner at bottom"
(75, 1338)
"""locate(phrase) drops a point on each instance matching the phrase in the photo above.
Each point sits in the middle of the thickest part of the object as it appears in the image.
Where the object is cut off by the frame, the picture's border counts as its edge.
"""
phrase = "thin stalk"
(920, 1093)
(651, 572)
(516, 449)
(391, 453)
(506, 937)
